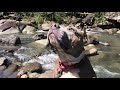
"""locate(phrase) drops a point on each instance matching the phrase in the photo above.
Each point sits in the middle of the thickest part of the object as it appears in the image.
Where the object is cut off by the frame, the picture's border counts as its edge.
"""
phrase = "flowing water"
(108, 67)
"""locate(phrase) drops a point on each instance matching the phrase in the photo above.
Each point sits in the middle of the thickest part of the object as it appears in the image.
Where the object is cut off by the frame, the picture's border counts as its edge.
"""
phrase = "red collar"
(65, 67)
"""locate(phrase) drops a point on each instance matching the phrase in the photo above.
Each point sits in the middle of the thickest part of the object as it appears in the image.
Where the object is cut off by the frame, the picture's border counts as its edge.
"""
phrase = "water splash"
(23, 53)
(47, 61)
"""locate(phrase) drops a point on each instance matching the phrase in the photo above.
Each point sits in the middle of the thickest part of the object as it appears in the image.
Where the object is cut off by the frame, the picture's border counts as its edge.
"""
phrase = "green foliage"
(100, 17)
(59, 17)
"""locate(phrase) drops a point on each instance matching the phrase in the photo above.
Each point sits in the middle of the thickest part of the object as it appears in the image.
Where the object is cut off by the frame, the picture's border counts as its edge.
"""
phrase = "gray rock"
(88, 19)
(75, 20)
(112, 31)
(113, 15)
(6, 24)
(11, 68)
(12, 30)
(11, 40)
(29, 30)
(40, 45)
(14, 40)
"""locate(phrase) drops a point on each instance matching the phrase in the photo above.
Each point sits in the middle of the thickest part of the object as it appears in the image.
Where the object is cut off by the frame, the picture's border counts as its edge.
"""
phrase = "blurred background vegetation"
(59, 17)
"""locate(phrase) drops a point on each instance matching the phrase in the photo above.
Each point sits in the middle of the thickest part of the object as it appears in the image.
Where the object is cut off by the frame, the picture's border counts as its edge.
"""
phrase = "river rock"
(11, 40)
(39, 36)
(118, 32)
(90, 46)
(6, 24)
(24, 76)
(113, 15)
(29, 30)
(43, 42)
(75, 20)
(90, 49)
(40, 45)
(46, 25)
(11, 30)
(88, 19)
(112, 31)
(30, 67)
(2, 59)
(34, 75)
(14, 40)
(11, 68)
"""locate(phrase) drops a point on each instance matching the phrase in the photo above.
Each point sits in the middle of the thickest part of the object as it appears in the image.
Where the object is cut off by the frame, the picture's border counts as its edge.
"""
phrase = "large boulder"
(40, 45)
(11, 30)
(6, 24)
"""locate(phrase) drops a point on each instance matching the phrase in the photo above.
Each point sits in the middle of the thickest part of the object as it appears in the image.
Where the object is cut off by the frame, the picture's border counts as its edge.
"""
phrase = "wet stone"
(31, 67)
(11, 68)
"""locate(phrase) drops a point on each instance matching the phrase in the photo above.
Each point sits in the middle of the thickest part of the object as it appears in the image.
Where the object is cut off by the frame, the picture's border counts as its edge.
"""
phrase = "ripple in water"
(104, 73)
